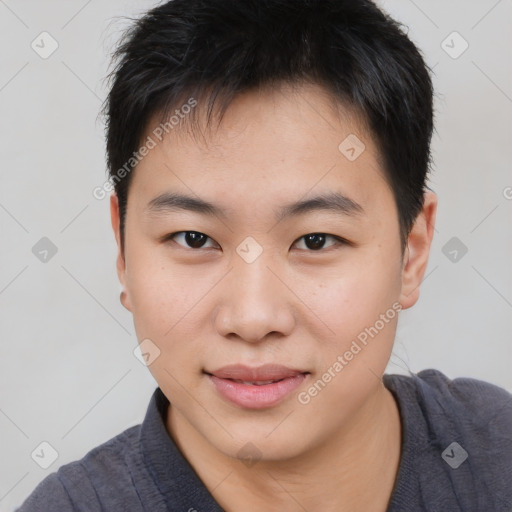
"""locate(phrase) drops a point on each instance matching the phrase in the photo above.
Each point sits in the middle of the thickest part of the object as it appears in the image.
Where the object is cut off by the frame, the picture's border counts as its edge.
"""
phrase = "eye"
(190, 239)
(316, 241)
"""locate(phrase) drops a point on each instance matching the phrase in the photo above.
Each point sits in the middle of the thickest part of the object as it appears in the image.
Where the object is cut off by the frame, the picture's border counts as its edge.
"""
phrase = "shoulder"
(104, 470)
(459, 438)
(479, 402)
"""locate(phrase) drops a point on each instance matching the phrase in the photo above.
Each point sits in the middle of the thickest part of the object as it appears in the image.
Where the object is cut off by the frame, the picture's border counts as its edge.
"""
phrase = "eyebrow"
(331, 202)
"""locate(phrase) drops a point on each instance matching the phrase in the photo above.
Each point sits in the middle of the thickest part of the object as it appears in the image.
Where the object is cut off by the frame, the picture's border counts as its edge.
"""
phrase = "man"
(269, 162)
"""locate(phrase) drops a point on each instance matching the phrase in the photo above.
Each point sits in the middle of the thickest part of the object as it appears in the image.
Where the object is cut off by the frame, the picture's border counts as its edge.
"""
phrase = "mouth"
(256, 383)
(256, 388)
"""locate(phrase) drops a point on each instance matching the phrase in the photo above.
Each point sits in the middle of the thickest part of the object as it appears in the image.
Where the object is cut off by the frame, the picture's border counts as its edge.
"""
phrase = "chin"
(250, 446)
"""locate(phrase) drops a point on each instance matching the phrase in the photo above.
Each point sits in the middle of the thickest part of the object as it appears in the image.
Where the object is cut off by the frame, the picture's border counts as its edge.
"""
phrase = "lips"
(256, 388)
(261, 375)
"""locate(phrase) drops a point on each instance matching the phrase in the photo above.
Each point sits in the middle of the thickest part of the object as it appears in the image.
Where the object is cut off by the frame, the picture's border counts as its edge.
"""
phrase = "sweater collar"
(175, 478)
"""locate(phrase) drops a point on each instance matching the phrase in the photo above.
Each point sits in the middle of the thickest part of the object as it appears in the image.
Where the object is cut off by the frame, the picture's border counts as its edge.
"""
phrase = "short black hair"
(215, 49)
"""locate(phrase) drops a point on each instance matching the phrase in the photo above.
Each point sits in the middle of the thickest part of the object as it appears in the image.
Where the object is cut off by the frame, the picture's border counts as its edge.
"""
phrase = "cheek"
(162, 298)
(165, 310)
(358, 307)
(350, 303)
(358, 294)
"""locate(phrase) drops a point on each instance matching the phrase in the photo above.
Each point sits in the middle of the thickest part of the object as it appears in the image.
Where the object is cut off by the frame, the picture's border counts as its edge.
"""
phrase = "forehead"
(270, 146)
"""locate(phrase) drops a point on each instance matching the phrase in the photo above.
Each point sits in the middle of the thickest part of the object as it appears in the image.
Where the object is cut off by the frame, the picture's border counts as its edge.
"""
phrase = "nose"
(255, 303)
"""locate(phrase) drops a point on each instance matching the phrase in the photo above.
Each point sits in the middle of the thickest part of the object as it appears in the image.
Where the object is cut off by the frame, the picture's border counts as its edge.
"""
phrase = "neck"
(354, 470)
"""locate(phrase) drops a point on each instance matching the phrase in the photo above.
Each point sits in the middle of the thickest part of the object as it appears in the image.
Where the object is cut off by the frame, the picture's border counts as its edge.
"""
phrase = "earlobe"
(122, 300)
(417, 251)
(120, 261)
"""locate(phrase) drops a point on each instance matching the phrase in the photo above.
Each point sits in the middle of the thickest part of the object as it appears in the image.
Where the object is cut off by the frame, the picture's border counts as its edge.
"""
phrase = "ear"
(115, 218)
(417, 251)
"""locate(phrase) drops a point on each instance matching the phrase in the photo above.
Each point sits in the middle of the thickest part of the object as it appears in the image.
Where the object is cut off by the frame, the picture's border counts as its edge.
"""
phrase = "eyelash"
(339, 241)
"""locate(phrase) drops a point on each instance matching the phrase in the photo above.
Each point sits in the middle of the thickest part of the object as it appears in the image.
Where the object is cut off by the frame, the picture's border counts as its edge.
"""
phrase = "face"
(250, 280)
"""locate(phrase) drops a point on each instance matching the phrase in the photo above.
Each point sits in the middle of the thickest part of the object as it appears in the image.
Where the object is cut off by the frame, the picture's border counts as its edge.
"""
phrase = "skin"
(207, 307)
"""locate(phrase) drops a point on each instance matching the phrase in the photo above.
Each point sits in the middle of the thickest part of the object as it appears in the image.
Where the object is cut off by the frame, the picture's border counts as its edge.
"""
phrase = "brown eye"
(316, 241)
(189, 239)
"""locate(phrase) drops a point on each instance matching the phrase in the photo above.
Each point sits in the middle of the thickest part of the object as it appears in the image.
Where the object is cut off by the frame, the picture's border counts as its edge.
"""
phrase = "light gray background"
(68, 375)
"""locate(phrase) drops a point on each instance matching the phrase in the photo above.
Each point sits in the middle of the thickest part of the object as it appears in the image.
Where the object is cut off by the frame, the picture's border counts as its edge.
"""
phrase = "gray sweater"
(456, 456)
